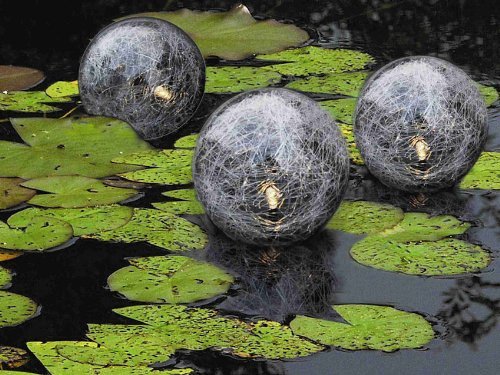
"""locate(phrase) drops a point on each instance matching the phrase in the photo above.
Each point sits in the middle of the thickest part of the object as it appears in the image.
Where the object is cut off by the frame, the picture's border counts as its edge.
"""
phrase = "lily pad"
(19, 77)
(61, 89)
(188, 204)
(169, 167)
(348, 134)
(316, 60)
(362, 217)
(12, 193)
(189, 141)
(370, 327)
(29, 101)
(231, 79)
(8, 255)
(489, 94)
(85, 221)
(341, 110)
(11, 357)
(75, 192)
(169, 279)
(233, 35)
(70, 146)
(15, 309)
(5, 278)
(416, 246)
(39, 234)
(158, 228)
(485, 174)
(348, 84)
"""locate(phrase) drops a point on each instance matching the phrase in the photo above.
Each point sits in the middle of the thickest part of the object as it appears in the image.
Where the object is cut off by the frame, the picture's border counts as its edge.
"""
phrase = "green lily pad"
(12, 193)
(169, 167)
(85, 221)
(348, 134)
(362, 217)
(69, 146)
(233, 35)
(39, 234)
(485, 174)
(341, 110)
(489, 94)
(15, 309)
(416, 246)
(5, 278)
(29, 101)
(348, 84)
(316, 60)
(11, 357)
(169, 279)
(19, 77)
(75, 192)
(231, 79)
(189, 141)
(370, 327)
(198, 329)
(62, 89)
(188, 204)
(158, 228)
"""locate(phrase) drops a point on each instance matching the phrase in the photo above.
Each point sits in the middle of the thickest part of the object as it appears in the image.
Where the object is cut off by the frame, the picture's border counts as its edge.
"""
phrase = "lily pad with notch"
(29, 101)
(369, 327)
(232, 79)
(12, 193)
(15, 309)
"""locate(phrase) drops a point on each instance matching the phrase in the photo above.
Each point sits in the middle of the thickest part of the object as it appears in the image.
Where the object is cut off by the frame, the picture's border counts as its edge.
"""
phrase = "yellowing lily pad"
(8, 255)
(348, 134)
(15, 309)
(84, 221)
(39, 234)
(69, 146)
(169, 279)
(341, 110)
(187, 203)
(169, 167)
(348, 84)
(75, 192)
(61, 89)
(317, 61)
(233, 35)
(19, 77)
(231, 79)
(189, 141)
(11, 357)
(370, 327)
(29, 101)
(158, 228)
(362, 217)
(485, 174)
(12, 193)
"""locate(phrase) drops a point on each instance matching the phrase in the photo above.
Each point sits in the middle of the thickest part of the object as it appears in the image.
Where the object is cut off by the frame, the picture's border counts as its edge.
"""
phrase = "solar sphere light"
(145, 71)
(420, 124)
(270, 167)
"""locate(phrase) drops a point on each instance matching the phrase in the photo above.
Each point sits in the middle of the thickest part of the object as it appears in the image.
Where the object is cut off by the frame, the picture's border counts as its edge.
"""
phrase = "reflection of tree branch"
(458, 309)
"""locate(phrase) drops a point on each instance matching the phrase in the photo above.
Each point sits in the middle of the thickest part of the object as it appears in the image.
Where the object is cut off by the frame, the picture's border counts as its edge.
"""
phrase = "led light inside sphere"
(420, 124)
(270, 167)
(145, 71)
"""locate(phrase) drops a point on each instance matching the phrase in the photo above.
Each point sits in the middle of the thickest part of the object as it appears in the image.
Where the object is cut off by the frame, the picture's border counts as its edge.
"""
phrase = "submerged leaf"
(61, 89)
(29, 101)
(15, 309)
(187, 205)
(370, 327)
(485, 174)
(348, 84)
(12, 357)
(189, 141)
(70, 146)
(12, 193)
(316, 60)
(19, 77)
(362, 217)
(232, 35)
(158, 228)
(169, 167)
(341, 110)
(84, 221)
(39, 234)
(169, 279)
(5, 278)
(75, 192)
(416, 246)
(231, 79)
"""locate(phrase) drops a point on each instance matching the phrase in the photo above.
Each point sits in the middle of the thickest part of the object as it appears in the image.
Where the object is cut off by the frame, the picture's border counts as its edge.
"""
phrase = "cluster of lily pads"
(57, 177)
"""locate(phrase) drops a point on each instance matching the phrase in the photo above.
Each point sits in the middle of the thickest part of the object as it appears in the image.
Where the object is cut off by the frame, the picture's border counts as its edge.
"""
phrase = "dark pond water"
(70, 284)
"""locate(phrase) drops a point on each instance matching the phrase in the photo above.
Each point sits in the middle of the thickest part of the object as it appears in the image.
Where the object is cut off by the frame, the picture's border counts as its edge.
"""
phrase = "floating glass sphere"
(145, 71)
(270, 167)
(420, 124)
